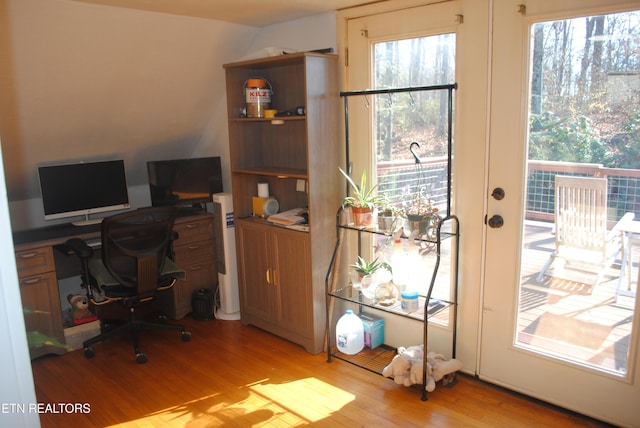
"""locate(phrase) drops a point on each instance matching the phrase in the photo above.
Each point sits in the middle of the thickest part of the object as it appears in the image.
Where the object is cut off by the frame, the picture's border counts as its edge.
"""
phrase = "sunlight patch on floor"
(262, 403)
(310, 398)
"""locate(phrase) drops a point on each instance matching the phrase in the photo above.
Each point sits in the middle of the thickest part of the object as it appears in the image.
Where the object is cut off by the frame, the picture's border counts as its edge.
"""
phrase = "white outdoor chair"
(582, 235)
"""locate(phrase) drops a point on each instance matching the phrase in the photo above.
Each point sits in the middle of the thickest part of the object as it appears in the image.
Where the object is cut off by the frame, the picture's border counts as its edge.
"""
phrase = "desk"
(42, 260)
(631, 232)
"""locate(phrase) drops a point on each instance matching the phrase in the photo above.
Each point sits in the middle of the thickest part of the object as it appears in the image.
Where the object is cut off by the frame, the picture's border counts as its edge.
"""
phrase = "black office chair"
(135, 265)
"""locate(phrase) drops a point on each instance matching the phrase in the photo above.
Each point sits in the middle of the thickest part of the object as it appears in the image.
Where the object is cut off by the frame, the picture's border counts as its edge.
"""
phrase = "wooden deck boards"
(566, 313)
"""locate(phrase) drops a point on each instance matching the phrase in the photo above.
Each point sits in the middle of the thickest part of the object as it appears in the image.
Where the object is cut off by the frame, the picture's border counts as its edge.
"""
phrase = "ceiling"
(255, 13)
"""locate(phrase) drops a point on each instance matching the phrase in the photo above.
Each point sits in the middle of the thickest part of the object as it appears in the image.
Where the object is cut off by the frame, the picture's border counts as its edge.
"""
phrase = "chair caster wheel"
(141, 358)
(89, 352)
(186, 336)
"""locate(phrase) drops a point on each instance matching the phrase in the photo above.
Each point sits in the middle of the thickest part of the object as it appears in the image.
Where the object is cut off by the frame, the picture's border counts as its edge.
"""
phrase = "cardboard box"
(75, 336)
(373, 330)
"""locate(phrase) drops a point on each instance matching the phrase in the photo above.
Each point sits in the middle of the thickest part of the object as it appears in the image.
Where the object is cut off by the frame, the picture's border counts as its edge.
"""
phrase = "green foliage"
(571, 139)
(367, 268)
(626, 147)
(388, 208)
(576, 139)
(362, 196)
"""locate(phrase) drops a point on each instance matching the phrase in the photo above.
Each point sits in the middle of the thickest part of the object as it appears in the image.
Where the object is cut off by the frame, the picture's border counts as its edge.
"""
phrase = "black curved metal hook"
(411, 147)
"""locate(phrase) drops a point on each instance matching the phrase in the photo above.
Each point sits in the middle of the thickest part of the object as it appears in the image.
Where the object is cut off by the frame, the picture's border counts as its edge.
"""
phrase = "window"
(420, 116)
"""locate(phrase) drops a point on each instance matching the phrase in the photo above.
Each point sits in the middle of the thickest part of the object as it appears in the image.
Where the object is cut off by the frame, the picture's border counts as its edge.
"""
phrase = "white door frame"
(501, 362)
(470, 18)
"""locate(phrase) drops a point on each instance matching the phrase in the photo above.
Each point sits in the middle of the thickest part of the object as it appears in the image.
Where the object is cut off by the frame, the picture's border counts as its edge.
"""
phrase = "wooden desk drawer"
(195, 252)
(194, 230)
(35, 261)
(42, 304)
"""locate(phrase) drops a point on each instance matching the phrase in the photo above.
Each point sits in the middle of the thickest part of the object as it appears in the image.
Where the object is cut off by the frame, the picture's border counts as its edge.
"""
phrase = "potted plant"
(366, 270)
(419, 212)
(362, 200)
(388, 214)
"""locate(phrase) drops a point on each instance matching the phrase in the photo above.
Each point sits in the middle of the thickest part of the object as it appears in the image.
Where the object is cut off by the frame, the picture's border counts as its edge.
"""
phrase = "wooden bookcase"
(298, 151)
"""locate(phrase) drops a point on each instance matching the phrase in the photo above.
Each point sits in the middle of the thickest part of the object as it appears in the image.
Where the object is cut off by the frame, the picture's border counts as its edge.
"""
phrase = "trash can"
(202, 304)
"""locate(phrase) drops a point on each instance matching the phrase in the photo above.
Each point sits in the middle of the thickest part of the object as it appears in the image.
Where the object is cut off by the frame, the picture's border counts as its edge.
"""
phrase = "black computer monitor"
(185, 183)
(81, 189)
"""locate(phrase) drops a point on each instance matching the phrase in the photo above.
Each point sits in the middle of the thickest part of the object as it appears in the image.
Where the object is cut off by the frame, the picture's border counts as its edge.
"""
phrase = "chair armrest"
(623, 223)
(621, 226)
(79, 248)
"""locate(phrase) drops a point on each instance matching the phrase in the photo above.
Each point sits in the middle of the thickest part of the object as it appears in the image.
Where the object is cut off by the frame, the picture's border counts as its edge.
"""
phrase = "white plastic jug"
(350, 333)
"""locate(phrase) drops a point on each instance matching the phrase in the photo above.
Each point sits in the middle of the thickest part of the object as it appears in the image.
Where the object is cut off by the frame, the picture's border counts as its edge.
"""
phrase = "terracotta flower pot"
(362, 216)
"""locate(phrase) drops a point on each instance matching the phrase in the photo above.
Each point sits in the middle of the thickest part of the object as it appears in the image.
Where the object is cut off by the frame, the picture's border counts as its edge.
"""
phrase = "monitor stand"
(87, 221)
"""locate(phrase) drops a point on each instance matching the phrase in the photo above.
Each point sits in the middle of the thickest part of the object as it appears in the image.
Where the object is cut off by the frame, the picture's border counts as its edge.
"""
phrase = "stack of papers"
(288, 218)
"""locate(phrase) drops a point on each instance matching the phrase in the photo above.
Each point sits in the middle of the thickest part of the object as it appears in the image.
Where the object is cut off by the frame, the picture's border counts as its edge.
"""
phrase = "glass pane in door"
(579, 270)
(404, 118)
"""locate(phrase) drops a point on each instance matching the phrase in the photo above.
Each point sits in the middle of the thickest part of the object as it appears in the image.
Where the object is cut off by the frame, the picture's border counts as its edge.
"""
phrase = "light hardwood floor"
(238, 376)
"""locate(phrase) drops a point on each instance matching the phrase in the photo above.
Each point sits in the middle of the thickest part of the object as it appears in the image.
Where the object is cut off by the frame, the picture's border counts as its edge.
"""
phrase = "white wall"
(109, 83)
(121, 83)
(305, 34)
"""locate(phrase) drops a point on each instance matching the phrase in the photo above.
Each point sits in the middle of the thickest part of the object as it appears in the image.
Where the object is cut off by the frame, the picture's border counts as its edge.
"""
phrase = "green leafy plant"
(388, 215)
(419, 205)
(367, 268)
(387, 208)
(362, 196)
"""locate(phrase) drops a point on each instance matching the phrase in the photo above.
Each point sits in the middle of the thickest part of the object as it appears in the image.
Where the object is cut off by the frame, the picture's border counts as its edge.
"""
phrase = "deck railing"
(623, 187)
(399, 178)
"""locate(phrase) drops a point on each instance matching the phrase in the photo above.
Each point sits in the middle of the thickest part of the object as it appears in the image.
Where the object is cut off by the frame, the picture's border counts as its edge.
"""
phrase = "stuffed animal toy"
(437, 368)
(411, 353)
(79, 306)
(416, 375)
(406, 367)
(440, 366)
(400, 367)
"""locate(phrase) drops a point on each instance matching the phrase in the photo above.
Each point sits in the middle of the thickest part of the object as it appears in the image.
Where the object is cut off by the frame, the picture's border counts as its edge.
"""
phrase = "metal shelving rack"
(448, 228)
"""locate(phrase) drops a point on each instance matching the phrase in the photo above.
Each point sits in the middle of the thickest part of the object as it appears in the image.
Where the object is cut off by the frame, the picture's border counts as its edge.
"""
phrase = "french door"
(559, 352)
(493, 60)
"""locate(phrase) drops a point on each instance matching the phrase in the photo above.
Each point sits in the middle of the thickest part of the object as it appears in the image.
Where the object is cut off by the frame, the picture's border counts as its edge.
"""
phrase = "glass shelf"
(373, 229)
(353, 295)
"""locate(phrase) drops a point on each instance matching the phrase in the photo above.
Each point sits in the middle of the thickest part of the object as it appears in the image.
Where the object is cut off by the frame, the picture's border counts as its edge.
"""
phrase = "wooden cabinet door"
(291, 259)
(255, 275)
